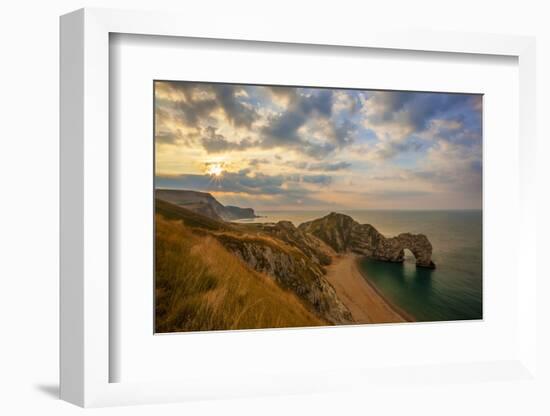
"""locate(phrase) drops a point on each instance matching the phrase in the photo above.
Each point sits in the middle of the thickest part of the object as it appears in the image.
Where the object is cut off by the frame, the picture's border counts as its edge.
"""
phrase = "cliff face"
(343, 234)
(199, 285)
(237, 213)
(293, 259)
(204, 203)
(314, 248)
(292, 270)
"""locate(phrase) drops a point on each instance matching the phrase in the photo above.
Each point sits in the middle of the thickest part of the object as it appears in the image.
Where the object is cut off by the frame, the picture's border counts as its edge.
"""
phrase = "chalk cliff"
(204, 203)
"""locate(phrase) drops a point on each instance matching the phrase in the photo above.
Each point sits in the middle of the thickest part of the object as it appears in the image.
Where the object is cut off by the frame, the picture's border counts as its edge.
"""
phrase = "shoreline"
(405, 315)
(366, 304)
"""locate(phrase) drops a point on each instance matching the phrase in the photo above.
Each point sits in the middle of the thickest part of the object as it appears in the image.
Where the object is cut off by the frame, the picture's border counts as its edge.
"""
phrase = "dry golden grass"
(199, 286)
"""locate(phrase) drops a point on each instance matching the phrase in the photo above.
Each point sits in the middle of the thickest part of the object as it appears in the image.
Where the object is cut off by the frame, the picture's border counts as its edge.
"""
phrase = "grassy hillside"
(203, 203)
(192, 219)
(202, 286)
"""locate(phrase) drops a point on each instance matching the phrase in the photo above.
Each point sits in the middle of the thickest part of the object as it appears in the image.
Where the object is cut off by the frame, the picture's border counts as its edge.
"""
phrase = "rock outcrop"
(314, 248)
(392, 249)
(204, 203)
(292, 258)
(295, 257)
(238, 212)
(293, 270)
(344, 234)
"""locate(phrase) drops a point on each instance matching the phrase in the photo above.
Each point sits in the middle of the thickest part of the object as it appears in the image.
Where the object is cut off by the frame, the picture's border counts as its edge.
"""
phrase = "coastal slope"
(258, 252)
(215, 274)
(201, 286)
(205, 204)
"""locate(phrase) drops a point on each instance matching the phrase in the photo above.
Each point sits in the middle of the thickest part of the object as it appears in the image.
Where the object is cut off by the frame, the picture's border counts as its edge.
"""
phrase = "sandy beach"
(364, 302)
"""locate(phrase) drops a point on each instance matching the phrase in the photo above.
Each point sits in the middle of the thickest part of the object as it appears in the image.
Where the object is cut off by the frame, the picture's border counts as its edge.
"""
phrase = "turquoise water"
(453, 291)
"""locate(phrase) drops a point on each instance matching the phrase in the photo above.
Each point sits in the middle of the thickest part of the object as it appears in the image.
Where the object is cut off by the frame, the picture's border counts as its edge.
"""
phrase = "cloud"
(319, 166)
(329, 166)
(196, 105)
(256, 161)
(217, 143)
(390, 148)
(284, 126)
(343, 132)
(455, 131)
(453, 168)
(396, 194)
(170, 137)
(196, 101)
(240, 114)
(303, 107)
(244, 181)
(346, 100)
(413, 122)
(413, 109)
(317, 179)
(296, 142)
(240, 182)
(169, 131)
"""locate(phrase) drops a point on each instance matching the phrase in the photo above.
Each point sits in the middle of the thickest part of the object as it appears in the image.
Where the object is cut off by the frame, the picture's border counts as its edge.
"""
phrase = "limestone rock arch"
(343, 234)
(392, 249)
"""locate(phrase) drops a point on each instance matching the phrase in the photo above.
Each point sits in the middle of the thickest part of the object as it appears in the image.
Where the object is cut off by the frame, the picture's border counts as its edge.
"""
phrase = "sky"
(298, 148)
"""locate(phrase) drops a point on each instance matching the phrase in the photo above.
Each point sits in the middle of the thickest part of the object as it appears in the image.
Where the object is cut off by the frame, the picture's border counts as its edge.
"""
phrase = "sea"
(453, 291)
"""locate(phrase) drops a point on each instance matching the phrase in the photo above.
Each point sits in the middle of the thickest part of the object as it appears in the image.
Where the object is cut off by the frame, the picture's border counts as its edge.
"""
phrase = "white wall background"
(29, 56)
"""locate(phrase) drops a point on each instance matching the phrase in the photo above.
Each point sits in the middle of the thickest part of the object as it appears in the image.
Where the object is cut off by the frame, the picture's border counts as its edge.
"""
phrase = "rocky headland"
(205, 204)
(297, 258)
(344, 234)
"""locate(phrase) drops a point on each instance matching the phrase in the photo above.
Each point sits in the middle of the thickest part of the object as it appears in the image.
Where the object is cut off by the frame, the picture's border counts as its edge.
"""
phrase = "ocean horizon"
(453, 291)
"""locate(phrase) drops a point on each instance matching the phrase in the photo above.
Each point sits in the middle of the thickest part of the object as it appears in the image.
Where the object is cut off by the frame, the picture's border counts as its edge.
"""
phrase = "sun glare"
(215, 170)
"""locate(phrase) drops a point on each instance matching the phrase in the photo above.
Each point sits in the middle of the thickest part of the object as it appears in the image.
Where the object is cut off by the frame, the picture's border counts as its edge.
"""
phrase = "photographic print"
(291, 206)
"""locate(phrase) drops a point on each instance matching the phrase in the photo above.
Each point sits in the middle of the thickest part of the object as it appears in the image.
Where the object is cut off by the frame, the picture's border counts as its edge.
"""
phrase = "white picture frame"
(85, 164)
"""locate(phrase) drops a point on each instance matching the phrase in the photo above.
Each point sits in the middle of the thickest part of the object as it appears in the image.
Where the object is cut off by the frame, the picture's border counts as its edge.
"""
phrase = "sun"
(215, 169)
